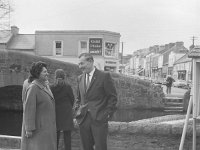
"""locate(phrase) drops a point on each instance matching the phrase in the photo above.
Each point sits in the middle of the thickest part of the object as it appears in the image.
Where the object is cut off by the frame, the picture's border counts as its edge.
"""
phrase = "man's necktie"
(88, 81)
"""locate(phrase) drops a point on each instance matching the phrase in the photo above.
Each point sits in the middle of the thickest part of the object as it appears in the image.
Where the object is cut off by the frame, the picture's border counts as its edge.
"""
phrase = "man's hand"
(75, 123)
(28, 134)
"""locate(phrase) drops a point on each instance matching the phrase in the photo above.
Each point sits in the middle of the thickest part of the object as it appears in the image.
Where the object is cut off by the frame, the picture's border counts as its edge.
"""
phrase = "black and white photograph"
(99, 75)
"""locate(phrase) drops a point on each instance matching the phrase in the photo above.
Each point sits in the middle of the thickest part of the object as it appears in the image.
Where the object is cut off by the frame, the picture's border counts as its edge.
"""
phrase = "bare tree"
(5, 10)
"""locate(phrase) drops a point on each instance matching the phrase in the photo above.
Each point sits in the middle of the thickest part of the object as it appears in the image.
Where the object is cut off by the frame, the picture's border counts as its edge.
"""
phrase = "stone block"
(12, 142)
(177, 129)
(113, 127)
(149, 129)
(123, 127)
(135, 128)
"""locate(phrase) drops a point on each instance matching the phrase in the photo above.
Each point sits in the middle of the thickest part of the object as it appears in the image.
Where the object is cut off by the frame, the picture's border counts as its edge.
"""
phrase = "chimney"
(171, 45)
(14, 30)
(161, 47)
(166, 46)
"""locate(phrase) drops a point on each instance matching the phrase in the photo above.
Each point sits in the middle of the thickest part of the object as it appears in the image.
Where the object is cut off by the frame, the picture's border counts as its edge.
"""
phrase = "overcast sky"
(141, 23)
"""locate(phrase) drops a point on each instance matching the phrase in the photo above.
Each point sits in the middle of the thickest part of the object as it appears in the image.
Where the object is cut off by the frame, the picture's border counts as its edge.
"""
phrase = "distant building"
(12, 40)
(68, 45)
(158, 61)
(182, 68)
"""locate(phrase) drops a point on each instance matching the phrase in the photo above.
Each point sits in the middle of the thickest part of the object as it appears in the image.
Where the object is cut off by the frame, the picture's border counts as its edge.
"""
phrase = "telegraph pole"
(122, 52)
(122, 67)
(193, 39)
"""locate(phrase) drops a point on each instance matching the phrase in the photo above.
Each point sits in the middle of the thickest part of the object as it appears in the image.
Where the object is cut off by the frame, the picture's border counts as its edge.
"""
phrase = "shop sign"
(109, 49)
(95, 46)
(109, 68)
(182, 72)
(110, 62)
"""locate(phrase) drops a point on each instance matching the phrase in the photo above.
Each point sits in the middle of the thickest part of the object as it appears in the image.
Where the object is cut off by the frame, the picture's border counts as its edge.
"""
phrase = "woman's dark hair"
(36, 69)
(60, 77)
(59, 73)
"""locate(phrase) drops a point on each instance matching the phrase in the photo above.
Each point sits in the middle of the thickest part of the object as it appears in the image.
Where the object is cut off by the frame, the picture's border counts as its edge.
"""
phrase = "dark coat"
(39, 117)
(169, 81)
(64, 100)
(100, 98)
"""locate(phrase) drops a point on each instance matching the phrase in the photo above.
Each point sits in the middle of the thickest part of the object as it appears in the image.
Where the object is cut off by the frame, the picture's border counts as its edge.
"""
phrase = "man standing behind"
(96, 103)
(169, 82)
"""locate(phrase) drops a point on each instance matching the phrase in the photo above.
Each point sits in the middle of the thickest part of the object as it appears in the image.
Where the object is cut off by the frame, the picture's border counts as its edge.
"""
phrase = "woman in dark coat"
(64, 100)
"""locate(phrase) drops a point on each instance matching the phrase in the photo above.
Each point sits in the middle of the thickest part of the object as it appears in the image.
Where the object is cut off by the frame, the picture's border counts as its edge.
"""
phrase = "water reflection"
(10, 123)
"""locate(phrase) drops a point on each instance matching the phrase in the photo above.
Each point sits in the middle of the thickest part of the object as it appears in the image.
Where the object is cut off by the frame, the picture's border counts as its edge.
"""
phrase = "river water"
(11, 121)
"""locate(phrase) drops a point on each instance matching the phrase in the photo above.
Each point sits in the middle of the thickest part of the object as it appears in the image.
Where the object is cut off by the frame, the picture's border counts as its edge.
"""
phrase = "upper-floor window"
(83, 47)
(58, 48)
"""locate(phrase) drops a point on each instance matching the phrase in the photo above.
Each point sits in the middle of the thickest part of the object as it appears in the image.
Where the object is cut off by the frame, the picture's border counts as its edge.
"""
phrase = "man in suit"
(96, 103)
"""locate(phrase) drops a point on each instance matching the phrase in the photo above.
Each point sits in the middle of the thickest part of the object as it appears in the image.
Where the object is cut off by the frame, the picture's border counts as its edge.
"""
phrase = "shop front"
(110, 65)
(182, 74)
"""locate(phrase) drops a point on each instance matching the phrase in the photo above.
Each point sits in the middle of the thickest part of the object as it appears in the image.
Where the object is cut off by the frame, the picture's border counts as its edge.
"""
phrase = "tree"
(5, 10)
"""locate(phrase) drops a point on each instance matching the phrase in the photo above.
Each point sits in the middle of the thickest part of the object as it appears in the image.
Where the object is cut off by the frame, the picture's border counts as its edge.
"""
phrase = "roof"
(195, 52)
(5, 36)
(183, 59)
(163, 51)
(22, 41)
(76, 32)
(177, 49)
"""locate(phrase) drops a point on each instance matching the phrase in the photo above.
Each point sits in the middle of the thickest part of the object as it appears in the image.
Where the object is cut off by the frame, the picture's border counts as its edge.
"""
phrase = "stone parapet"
(171, 125)
(9, 142)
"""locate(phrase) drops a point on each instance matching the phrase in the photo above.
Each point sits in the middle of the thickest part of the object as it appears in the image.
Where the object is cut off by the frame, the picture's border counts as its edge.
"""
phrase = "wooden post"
(186, 122)
(194, 84)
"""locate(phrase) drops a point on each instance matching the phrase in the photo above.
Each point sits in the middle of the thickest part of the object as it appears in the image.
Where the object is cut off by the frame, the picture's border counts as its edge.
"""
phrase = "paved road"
(179, 92)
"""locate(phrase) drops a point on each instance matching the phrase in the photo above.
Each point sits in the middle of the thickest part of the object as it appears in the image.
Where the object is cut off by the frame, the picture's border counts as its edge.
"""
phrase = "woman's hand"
(28, 134)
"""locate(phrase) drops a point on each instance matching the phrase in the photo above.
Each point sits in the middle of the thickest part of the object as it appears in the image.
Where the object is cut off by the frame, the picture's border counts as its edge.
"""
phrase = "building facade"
(182, 68)
(68, 45)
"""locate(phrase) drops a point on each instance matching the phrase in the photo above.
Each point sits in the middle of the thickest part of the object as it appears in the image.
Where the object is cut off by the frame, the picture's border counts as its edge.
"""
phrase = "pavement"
(175, 92)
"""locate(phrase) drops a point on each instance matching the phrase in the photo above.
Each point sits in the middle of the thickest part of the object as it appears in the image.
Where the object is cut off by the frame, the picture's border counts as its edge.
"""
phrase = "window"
(58, 48)
(83, 47)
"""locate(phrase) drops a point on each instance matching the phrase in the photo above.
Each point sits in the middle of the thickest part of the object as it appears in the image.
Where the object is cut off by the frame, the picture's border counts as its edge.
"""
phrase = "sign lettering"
(95, 46)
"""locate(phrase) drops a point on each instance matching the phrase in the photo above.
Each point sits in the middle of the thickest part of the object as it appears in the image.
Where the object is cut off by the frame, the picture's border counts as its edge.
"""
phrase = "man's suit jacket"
(100, 99)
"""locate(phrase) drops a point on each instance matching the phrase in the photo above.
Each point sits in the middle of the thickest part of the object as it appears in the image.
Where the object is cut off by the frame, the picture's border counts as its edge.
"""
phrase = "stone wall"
(137, 93)
(14, 67)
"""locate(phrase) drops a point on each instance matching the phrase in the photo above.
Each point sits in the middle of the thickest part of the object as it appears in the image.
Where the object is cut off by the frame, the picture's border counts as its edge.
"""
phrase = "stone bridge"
(14, 67)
